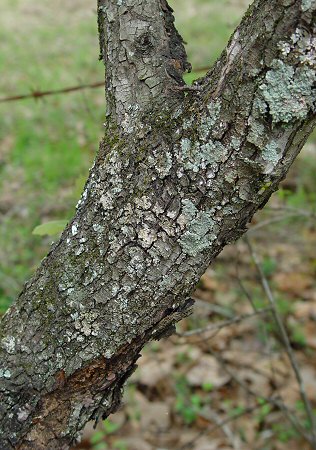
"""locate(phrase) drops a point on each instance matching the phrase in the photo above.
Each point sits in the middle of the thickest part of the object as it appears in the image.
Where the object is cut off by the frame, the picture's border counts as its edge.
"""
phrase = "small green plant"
(284, 433)
(207, 387)
(188, 404)
(303, 196)
(237, 410)
(98, 439)
(269, 266)
(120, 445)
(264, 411)
(110, 427)
(297, 335)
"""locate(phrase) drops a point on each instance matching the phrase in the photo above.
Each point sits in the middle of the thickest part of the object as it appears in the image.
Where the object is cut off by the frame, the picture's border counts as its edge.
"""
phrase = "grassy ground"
(46, 146)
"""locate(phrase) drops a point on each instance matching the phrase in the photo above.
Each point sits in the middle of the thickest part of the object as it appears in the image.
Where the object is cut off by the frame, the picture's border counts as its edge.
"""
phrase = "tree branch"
(144, 57)
(177, 177)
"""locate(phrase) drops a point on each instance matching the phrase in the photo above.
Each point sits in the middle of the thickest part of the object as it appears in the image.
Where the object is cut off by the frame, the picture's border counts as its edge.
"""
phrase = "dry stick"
(273, 401)
(214, 308)
(224, 323)
(286, 342)
(303, 212)
(273, 220)
(233, 439)
(251, 301)
(266, 340)
(289, 415)
(291, 212)
(221, 424)
(242, 286)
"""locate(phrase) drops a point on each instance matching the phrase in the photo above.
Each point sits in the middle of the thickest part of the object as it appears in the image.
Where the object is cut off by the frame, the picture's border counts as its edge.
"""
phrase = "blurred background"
(203, 391)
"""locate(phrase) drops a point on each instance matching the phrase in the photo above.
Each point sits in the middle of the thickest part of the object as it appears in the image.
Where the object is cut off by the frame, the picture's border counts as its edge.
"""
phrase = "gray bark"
(178, 175)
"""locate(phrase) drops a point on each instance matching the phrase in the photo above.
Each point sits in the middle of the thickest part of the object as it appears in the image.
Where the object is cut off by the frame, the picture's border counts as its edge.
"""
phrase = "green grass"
(206, 26)
(48, 144)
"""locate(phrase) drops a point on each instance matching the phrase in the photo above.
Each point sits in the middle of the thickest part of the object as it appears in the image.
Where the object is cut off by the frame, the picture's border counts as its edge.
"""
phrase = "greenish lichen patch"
(288, 92)
(200, 229)
(307, 4)
(196, 156)
(235, 143)
(271, 153)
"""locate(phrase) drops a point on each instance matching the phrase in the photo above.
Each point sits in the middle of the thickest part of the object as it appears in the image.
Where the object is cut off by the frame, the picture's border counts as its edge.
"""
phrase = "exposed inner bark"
(178, 175)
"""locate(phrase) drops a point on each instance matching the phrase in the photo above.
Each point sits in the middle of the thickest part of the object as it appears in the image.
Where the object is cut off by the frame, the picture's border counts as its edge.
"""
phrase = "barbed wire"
(38, 94)
(35, 94)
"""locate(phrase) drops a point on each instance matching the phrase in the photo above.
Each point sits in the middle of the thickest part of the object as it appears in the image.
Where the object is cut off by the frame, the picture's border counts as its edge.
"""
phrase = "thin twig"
(286, 342)
(224, 323)
(214, 308)
(273, 220)
(241, 284)
(233, 439)
(271, 400)
(299, 211)
(219, 424)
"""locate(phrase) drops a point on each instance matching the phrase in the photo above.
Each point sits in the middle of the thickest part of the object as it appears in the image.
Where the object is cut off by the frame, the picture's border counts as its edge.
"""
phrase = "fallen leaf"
(208, 370)
(293, 282)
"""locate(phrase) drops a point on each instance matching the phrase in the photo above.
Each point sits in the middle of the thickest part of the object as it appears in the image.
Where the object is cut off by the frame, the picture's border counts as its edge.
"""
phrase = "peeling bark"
(178, 176)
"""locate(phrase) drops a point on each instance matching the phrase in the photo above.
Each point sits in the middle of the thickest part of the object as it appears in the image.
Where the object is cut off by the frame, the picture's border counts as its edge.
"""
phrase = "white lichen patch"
(136, 264)
(106, 201)
(271, 154)
(23, 413)
(196, 156)
(87, 323)
(79, 250)
(256, 134)
(143, 203)
(208, 121)
(98, 228)
(302, 45)
(288, 92)
(108, 353)
(8, 343)
(74, 229)
(147, 236)
(188, 213)
(5, 373)
(235, 143)
(188, 123)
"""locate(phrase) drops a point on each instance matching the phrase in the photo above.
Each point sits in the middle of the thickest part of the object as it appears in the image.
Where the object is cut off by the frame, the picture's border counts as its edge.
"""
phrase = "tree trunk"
(178, 175)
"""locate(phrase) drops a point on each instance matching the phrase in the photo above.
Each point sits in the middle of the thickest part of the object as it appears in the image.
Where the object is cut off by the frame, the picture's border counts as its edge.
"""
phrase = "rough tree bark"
(178, 175)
